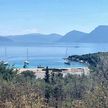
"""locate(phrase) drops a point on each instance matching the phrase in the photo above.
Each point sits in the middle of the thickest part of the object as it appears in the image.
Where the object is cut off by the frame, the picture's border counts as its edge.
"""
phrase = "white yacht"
(67, 62)
(26, 62)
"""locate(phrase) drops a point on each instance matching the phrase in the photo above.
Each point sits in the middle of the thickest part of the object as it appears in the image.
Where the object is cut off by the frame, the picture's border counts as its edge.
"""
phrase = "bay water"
(48, 54)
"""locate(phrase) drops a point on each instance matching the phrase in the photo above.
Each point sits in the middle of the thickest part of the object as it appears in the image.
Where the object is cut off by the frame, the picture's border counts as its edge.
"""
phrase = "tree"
(47, 75)
(6, 72)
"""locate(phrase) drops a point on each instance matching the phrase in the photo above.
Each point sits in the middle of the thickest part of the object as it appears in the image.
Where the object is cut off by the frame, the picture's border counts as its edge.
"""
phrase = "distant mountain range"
(5, 40)
(98, 35)
(35, 38)
(73, 36)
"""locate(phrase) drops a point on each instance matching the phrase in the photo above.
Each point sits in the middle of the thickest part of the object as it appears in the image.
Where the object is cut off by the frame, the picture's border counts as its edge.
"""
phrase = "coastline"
(40, 72)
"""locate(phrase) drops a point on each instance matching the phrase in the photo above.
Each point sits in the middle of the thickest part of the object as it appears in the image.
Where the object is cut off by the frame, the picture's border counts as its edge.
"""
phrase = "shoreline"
(40, 72)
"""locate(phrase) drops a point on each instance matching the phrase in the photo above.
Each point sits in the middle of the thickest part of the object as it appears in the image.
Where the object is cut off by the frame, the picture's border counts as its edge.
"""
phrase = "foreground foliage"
(55, 91)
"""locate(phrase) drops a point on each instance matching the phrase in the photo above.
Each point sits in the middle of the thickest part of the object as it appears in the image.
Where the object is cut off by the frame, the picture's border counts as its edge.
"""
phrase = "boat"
(76, 46)
(67, 62)
(5, 63)
(40, 66)
(66, 58)
(26, 62)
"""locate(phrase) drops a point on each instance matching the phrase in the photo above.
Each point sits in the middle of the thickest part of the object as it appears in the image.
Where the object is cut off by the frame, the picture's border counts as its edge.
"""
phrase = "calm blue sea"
(47, 55)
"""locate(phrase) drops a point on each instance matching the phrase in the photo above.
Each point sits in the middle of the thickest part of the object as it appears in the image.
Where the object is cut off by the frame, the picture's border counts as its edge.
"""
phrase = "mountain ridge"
(36, 38)
(5, 40)
(98, 35)
(73, 36)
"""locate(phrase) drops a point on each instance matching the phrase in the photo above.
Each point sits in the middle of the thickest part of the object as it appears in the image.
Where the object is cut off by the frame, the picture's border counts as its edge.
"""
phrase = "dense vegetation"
(90, 59)
(24, 90)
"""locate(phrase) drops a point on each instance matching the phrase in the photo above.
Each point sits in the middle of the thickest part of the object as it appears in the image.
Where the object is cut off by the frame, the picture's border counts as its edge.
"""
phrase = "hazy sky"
(51, 16)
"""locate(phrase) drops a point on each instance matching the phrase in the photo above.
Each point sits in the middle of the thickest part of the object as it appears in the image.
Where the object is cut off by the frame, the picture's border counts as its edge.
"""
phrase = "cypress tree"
(47, 75)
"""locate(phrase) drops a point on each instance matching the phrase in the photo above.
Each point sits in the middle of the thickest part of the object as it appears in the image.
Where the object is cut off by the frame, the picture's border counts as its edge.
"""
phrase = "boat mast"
(5, 55)
(5, 59)
(66, 53)
(26, 63)
(27, 54)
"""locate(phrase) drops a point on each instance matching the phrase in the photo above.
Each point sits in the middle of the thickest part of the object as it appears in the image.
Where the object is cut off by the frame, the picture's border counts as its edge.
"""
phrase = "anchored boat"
(67, 62)
(26, 62)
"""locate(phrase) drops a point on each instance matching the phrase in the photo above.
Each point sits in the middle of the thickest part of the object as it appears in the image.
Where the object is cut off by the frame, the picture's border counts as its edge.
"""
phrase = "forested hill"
(93, 59)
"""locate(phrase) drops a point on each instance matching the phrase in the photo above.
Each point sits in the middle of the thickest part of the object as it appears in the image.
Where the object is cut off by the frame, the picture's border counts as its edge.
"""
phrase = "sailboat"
(67, 62)
(65, 58)
(5, 61)
(26, 62)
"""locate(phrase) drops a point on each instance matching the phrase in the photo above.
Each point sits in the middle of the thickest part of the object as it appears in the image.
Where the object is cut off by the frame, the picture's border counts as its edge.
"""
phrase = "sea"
(50, 55)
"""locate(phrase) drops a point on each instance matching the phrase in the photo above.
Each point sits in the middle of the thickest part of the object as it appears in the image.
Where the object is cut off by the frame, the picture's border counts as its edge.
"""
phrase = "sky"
(51, 16)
